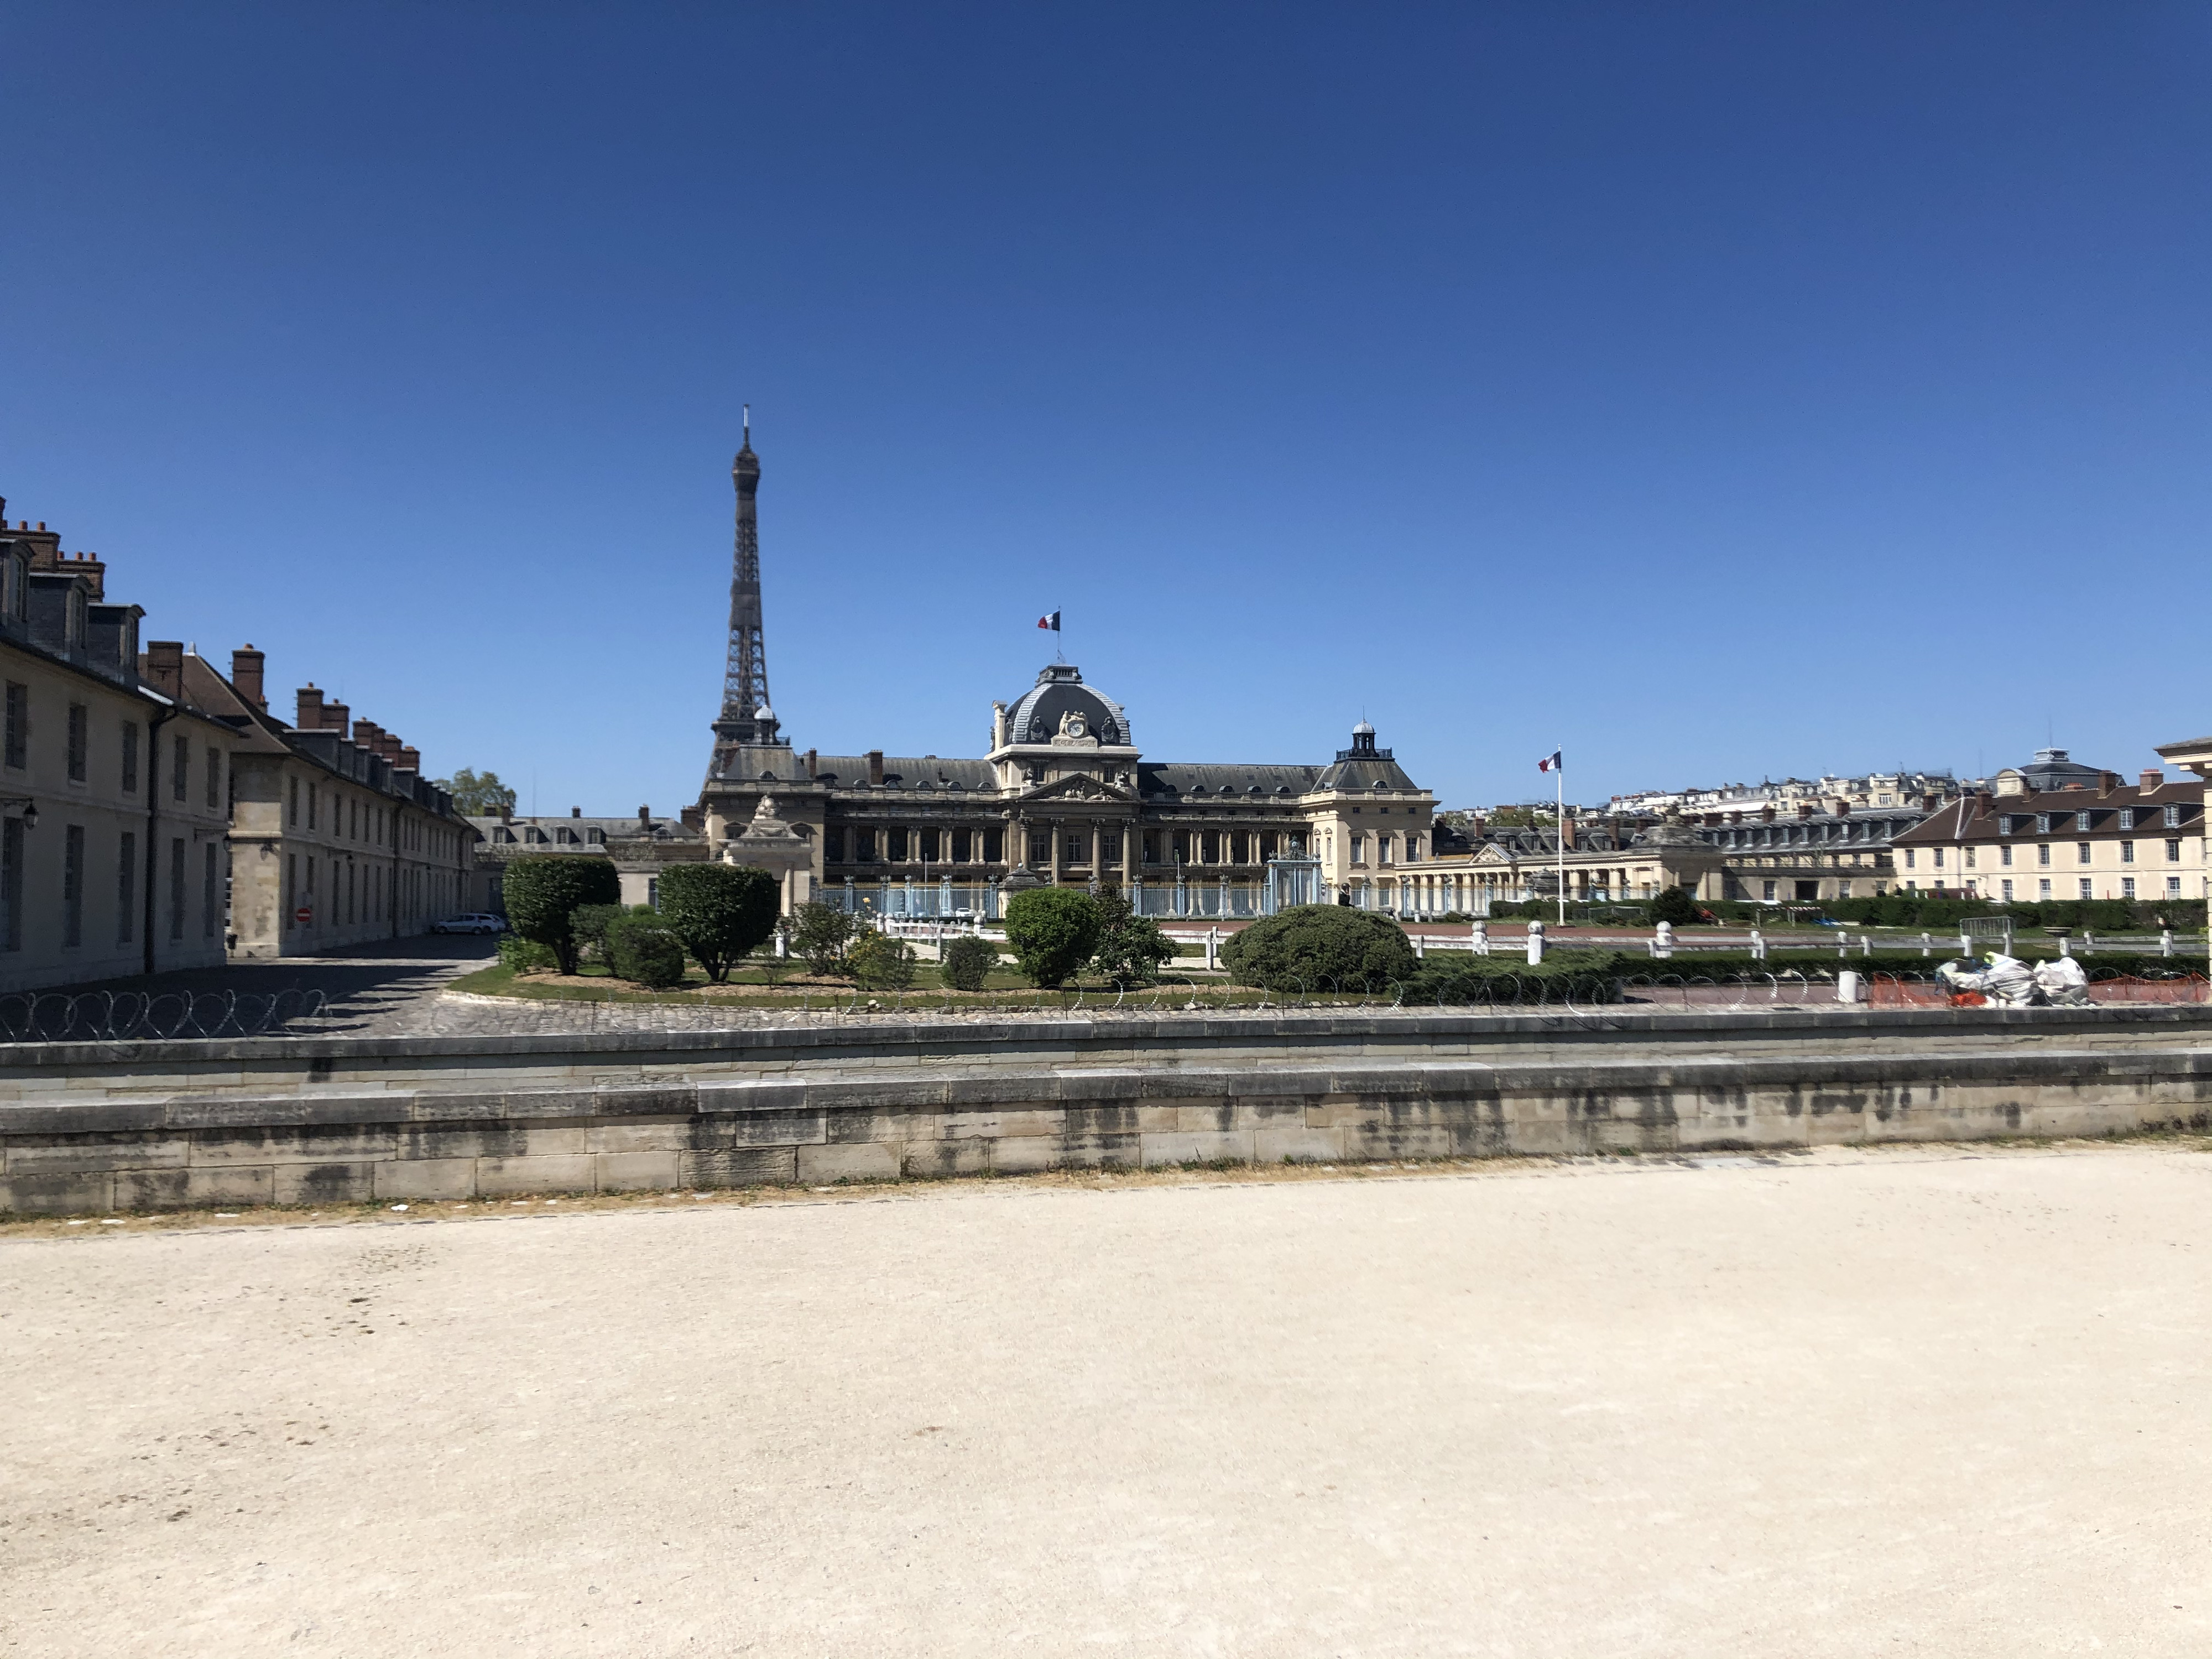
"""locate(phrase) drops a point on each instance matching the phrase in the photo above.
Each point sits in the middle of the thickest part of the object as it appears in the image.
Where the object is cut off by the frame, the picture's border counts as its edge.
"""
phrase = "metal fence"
(141, 1016)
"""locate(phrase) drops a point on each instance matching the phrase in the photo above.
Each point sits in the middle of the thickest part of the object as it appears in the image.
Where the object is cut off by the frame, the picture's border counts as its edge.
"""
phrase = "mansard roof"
(1191, 781)
(1366, 771)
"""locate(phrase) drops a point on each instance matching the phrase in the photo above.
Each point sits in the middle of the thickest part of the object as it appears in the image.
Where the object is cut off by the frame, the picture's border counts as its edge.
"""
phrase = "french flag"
(1051, 621)
(1551, 762)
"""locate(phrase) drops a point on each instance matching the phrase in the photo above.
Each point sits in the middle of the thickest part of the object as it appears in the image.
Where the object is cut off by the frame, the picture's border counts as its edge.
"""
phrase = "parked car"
(471, 924)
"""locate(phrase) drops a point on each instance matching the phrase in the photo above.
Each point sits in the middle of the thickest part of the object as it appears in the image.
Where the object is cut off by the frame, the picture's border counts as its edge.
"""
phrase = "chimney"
(365, 734)
(1804, 809)
(1766, 815)
(1840, 807)
(2151, 779)
(165, 667)
(2107, 782)
(246, 666)
(645, 817)
(1567, 831)
(575, 811)
(310, 717)
(693, 816)
(388, 745)
(89, 565)
(876, 765)
(337, 717)
(411, 760)
(810, 763)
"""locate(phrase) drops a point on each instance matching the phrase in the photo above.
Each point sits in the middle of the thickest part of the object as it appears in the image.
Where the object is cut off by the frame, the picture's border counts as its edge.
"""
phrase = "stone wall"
(531, 1127)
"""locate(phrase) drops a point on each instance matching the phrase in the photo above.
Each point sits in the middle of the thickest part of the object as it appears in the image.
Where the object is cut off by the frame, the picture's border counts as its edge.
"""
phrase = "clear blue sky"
(1713, 390)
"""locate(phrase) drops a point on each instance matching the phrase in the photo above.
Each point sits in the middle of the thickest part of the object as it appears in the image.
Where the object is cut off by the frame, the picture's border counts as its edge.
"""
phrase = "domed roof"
(1058, 695)
(1363, 730)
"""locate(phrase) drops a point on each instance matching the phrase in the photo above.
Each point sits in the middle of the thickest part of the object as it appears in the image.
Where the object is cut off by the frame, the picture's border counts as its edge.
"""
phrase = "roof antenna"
(749, 426)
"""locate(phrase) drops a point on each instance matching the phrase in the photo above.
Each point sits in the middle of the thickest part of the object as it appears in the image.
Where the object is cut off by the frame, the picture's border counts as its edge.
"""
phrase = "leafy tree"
(588, 924)
(1675, 906)
(545, 890)
(821, 933)
(644, 950)
(1053, 930)
(722, 912)
(968, 961)
(1131, 948)
(476, 794)
(1319, 945)
(879, 963)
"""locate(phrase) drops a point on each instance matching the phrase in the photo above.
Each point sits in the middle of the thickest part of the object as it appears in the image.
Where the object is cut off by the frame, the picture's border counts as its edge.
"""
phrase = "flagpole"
(1559, 830)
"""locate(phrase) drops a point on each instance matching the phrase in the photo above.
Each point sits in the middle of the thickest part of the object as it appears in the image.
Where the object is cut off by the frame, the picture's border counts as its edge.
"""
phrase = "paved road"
(370, 988)
(1938, 1403)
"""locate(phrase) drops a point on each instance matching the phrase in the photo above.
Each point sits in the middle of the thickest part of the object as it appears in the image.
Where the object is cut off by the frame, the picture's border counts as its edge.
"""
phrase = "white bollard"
(1420, 947)
(1480, 938)
(1758, 945)
(1663, 945)
(2166, 942)
(2065, 944)
(1213, 947)
(1535, 943)
(1849, 988)
(1927, 945)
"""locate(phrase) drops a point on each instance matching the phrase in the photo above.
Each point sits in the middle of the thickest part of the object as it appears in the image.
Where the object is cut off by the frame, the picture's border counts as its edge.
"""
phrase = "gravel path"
(1940, 1402)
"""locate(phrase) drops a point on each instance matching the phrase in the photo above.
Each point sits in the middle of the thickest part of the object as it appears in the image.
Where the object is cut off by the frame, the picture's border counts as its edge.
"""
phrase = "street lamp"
(30, 813)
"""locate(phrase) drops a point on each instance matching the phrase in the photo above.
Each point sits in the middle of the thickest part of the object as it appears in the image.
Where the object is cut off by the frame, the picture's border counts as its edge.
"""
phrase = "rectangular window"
(2081, 824)
(2006, 888)
(1911, 859)
(2043, 823)
(896, 840)
(1041, 849)
(80, 727)
(1209, 847)
(2004, 857)
(994, 846)
(176, 889)
(1109, 847)
(312, 803)
(73, 885)
(2004, 823)
(1939, 858)
(964, 845)
(2042, 892)
(833, 846)
(1382, 845)
(126, 887)
(294, 810)
(2173, 887)
(1358, 849)
(2174, 818)
(2084, 885)
(180, 755)
(210, 897)
(19, 730)
(2081, 851)
(2043, 853)
(1843, 889)
(214, 778)
(1970, 858)
(2174, 852)
(864, 846)
(11, 884)
(2127, 852)
(291, 887)
(2127, 887)
(1769, 891)
(2127, 818)
(1150, 846)
(1077, 853)
(130, 757)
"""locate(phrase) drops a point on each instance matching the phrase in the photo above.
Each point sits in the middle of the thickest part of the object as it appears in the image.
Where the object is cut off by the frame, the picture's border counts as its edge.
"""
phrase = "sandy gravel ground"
(1946, 1403)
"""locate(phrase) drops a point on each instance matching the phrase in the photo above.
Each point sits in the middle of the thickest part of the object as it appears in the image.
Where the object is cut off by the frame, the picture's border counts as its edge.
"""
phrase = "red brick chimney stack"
(411, 760)
(165, 667)
(645, 817)
(337, 717)
(876, 767)
(246, 673)
(309, 717)
(2151, 779)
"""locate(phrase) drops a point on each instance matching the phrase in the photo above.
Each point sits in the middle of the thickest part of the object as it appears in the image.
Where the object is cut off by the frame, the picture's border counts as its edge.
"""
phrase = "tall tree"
(476, 794)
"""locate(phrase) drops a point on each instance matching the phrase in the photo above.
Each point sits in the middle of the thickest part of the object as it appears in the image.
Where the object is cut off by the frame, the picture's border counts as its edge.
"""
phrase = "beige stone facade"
(2093, 838)
(113, 791)
(336, 838)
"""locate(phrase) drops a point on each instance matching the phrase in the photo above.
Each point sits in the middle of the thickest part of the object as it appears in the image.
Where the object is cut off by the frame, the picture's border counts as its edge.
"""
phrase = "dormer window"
(2081, 822)
(2043, 823)
(2174, 818)
(2127, 818)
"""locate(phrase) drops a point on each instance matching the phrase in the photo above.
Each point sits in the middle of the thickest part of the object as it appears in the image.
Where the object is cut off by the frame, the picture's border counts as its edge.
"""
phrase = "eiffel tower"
(747, 720)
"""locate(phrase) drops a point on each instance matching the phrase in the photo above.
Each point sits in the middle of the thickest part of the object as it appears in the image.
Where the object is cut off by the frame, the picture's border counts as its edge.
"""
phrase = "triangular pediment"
(1079, 788)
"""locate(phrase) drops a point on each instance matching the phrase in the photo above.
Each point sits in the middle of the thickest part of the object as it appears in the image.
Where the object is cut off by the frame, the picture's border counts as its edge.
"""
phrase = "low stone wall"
(65, 1154)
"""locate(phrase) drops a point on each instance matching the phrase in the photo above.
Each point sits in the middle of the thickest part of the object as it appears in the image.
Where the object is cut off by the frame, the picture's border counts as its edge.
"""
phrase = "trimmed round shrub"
(1318, 945)
(544, 892)
(879, 963)
(643, 949)
(722, 912)
(968, 961)
(1675, 906)
(1053, 931)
